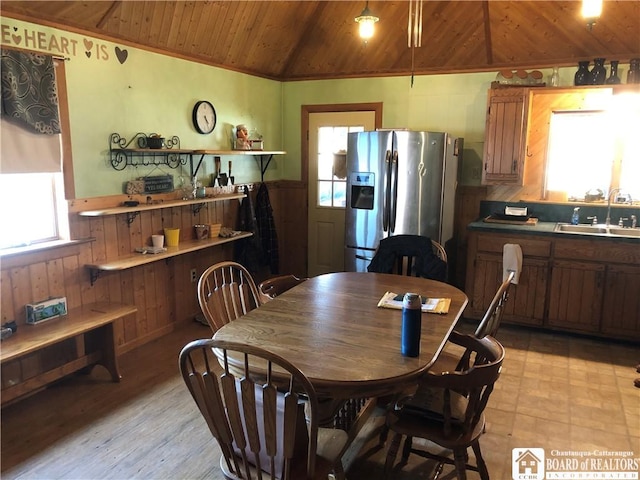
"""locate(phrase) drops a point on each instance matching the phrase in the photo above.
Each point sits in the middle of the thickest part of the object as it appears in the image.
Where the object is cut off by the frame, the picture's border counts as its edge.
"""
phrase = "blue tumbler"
(411, 324)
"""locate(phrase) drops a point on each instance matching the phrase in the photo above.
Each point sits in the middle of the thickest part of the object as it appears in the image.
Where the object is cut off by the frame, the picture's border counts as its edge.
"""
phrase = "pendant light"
(366, 21)
(591, 10)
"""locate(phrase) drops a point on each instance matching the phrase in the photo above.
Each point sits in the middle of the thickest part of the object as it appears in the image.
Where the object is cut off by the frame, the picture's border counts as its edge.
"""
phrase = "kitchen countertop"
(544, 229)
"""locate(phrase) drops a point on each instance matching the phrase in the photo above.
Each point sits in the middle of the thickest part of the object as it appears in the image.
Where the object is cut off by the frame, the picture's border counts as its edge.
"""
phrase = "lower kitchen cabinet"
(574, 285)
(575, 295)
(621, 306)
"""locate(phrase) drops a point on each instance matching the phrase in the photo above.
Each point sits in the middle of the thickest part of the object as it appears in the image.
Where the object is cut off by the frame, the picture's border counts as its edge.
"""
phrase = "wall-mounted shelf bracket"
(196, 208)
(263, 166)
(93, 275)
(131, 216)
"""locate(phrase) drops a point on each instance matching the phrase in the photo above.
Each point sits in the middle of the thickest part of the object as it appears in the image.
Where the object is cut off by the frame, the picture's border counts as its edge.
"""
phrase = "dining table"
(331, 328)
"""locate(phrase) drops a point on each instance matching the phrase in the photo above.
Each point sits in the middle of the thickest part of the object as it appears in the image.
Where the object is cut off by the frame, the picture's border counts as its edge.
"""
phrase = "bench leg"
(109, 358)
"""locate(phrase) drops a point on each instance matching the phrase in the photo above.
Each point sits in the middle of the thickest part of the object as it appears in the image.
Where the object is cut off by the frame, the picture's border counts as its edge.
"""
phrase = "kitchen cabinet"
(580, 285)
(484, 275)
(505, 136)
(575, 295)
(621, 305)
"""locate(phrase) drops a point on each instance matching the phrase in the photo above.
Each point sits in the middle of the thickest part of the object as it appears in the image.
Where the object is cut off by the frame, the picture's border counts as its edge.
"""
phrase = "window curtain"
(31, 140)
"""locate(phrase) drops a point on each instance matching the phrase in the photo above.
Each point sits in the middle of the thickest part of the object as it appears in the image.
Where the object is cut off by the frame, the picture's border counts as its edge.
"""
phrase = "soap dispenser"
(575, 218)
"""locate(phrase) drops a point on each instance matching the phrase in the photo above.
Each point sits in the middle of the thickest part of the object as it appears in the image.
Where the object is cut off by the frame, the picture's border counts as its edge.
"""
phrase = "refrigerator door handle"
(386, 207)
(394, 192)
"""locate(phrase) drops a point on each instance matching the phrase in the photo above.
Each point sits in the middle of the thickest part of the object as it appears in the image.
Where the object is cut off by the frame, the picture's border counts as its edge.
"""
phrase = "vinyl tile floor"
(573, 397)
(559, 393)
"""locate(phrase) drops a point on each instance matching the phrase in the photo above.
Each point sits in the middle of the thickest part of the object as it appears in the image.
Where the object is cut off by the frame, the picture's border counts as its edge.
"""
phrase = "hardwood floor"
(556, 391)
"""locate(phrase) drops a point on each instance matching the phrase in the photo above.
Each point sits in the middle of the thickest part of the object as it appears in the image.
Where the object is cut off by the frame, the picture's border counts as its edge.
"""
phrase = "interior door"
(327, 185)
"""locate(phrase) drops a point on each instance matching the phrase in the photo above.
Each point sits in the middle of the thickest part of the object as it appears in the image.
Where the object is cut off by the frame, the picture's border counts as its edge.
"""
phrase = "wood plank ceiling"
(295, 40)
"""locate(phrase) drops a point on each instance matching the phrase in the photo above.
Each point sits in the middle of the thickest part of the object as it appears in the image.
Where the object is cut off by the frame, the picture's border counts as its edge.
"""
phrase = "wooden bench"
(88, 330)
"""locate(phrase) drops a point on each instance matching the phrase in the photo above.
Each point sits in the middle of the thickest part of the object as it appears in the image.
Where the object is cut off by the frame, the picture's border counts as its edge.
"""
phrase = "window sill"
(40, 247)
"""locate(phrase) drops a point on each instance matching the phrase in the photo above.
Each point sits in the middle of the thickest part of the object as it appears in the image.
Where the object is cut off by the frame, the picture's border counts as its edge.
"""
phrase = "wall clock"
(204, 117)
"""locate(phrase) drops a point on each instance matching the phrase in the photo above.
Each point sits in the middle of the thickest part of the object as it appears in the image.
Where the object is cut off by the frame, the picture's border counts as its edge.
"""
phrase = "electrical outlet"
(194, 275)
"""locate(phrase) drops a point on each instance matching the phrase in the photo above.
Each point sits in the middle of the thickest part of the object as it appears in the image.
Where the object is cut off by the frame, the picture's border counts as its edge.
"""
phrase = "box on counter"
(46, 309)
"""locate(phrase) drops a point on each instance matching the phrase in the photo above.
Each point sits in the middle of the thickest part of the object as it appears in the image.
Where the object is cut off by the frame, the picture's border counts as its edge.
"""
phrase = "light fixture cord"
(414, 31)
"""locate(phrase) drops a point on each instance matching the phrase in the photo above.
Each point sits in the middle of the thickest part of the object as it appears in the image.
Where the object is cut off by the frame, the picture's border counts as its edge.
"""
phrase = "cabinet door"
(621, 308)
(504, 147)
(575, 295)
(525, 304)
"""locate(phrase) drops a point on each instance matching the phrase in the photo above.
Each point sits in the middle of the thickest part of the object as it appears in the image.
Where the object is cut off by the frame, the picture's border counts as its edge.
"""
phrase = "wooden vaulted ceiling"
(295, 40)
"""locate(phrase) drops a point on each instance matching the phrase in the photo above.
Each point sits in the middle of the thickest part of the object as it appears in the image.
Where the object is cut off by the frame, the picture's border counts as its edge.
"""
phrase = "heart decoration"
(16, 39)
(122, 55)
(88, 54)
(15, 29)
(88, 44)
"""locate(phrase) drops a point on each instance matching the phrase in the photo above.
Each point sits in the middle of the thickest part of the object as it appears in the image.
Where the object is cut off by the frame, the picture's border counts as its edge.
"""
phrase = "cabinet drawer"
(600, 250)
(530, 247)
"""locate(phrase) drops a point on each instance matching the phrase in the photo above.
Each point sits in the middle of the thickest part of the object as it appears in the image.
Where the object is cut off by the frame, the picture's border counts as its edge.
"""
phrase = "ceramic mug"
(157, 241)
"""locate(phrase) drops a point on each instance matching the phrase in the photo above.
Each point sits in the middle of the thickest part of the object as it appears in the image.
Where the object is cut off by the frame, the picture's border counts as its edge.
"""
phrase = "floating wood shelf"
(137, 259)
(156, 206)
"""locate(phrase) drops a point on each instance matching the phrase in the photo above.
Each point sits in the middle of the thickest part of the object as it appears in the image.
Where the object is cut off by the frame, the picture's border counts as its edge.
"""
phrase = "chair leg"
(384, 433)
(482, 467)
(338, 471)
(391, 454)
(406, 451)
(460, 463)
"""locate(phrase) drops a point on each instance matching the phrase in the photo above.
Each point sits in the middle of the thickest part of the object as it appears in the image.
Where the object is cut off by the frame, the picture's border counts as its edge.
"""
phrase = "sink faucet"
(634, 221)
(608, 219)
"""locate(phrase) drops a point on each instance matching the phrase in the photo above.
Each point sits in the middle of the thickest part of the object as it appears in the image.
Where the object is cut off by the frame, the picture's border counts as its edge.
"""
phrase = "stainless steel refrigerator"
(398, 182)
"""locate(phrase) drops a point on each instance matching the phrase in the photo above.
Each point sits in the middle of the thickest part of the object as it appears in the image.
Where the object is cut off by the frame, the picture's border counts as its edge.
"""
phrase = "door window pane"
(331, 172)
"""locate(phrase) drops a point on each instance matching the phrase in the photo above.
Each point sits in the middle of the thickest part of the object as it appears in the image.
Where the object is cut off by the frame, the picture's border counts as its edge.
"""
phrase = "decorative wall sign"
(56, 44)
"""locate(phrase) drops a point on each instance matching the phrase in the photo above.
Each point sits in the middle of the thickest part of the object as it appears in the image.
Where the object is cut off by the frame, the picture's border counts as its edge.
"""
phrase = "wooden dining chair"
(226, 291)
(272, 287)
(452, 415)
(263, 412)
(452, 356)
(411, 255)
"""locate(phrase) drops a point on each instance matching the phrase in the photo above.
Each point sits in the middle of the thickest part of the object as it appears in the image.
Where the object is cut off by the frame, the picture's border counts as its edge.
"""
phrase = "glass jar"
(555, 77)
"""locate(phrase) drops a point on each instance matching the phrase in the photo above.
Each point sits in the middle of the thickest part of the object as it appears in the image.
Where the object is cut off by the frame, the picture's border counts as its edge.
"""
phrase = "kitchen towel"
(511, 261)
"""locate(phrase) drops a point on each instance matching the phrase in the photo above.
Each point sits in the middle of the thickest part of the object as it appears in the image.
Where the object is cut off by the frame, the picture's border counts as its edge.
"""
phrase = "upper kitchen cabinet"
(505, 136)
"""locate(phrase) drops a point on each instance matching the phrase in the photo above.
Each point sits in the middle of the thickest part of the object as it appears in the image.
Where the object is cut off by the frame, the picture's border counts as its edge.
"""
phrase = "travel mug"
(411, 324)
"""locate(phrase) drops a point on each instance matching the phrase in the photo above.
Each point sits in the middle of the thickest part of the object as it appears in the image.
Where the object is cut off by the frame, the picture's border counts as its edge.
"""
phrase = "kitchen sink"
(625, 232)
(600, 230)
(561, 227)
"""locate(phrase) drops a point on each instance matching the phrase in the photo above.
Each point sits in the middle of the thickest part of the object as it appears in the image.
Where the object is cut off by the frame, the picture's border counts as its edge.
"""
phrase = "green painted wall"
(451, 103)
(149, 92)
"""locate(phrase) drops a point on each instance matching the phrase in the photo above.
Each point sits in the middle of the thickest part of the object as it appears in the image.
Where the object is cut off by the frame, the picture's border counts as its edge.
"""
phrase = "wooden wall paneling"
(146, 229)
(123, 235)
(55, 278)
(7, 308)
(150, 296)
(291, 224)
(179, 282)
(98, 248)
(164, 295)
(156, 223)
(39, 281)
(129, 329)
(87, 292)
(110, 236)
(136, 238)
(72, 271)
(140, 300)
(21, 292)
